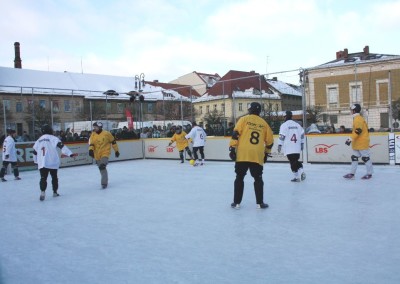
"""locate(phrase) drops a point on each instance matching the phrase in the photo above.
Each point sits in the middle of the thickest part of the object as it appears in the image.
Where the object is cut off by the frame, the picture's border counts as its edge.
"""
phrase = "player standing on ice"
(250, 146)
(9, 155)
(198, 136)
(46, 157)
(359, 139)
(291, 137)
(100, 143)
(181, 142)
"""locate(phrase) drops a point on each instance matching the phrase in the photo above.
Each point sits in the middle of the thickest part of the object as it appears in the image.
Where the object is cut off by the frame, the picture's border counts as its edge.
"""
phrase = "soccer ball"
(191, 162)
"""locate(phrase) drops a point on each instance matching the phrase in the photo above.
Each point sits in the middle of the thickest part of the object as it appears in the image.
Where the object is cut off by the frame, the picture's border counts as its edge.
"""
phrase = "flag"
(129, 118)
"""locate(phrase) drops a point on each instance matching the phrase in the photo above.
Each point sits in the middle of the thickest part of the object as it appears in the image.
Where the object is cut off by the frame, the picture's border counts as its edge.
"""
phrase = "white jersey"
(291, 136)
(198, 135)
(9, 149)
(47, 155)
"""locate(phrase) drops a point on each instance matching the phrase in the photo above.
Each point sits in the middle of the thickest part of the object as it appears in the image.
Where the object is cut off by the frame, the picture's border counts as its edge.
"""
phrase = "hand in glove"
(266, 156)
(348, 142)
(7, 156)
(117, 154)
(170, 143)
(232, 153)
(280, 148)
(91, 153)
(73, 155)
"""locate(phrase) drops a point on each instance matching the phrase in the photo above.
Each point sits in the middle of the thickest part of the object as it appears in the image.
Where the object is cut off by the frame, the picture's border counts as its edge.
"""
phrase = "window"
(120, 107)
(6, 104)
(382, 91)
(201, 110)
(77, 108)
(108, 106)
(223, 107)
(215, 107)
(332, 96)
(67, 106)
(56, 106)
(240, 107)
(18, 107)
(208, 109)
(150, 108)
(356, 93)
(42, 104)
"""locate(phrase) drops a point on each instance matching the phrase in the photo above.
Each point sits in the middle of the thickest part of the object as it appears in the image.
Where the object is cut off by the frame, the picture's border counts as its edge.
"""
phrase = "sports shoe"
(104, 186)
(367, 177)
(17, 178)
(303, 176)
(3, 179)
(235, 206)
(295, 180)
(42, 195)
(262, 206)
(349, 176)
(55, 194)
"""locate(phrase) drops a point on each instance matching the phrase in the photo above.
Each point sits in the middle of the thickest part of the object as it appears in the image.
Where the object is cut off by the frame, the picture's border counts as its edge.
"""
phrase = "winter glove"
(91, 153)
(117, 154)
(280, 148)
(232, 153)
(266, 156)
(170, 143)
(348, 142)
(73, 155)
(7, 156)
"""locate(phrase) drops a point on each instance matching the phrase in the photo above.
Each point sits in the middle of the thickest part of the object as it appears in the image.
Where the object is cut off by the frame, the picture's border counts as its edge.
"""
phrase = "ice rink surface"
(164, 222)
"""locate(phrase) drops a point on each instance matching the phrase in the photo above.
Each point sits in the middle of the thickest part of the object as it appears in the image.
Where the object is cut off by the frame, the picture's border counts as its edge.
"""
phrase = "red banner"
(129, 118)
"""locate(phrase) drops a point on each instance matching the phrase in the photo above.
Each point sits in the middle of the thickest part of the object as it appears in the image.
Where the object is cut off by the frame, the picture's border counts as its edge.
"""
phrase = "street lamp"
(109, 93)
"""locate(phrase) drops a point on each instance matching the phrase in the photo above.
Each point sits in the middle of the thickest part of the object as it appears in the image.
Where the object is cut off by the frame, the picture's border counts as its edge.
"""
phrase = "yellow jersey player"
(359, 139)
(250, 147)
(100, 143)
(181, 142)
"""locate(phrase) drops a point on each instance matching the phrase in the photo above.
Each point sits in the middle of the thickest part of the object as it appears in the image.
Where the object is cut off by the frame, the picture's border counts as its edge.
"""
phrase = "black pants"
(201, 149)
(256, 171)
(14, 166)
(295, 165)
(44, 173)
(187, 151)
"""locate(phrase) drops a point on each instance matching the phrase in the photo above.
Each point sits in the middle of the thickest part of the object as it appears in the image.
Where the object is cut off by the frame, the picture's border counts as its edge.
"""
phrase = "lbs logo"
(151, 148)
(323, 148)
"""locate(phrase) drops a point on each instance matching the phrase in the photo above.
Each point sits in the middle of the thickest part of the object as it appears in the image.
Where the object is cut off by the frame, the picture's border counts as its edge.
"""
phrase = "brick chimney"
(345, 53)
(366, 50)
(17, 60)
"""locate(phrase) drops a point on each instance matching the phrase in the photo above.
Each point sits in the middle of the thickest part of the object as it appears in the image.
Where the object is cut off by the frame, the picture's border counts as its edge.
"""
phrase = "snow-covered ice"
(164, 222)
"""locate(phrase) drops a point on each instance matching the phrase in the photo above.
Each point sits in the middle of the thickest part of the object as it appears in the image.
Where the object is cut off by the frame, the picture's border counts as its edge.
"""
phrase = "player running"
(46, 157)
(181, 142)
(198, 136)
(291, 137)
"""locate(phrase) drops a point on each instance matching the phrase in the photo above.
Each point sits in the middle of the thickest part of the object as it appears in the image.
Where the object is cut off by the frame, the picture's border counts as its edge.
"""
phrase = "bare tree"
(38, 116)
(314, 114)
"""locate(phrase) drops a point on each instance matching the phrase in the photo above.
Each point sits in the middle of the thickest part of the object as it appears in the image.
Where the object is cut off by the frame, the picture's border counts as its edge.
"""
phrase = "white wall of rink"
(320, 148)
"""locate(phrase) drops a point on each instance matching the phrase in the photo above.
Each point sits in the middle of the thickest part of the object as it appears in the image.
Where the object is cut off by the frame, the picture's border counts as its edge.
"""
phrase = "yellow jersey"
(101, 144)
(255, 139)
(359, 141)
(181, 141)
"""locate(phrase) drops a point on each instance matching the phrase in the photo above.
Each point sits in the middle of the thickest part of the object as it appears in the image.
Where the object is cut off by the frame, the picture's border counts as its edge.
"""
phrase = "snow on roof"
(285, 88)
(246, 94)
(87, 85)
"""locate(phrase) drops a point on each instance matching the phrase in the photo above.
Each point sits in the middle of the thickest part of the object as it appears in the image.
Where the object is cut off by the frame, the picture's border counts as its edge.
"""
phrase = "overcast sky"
(167, 39)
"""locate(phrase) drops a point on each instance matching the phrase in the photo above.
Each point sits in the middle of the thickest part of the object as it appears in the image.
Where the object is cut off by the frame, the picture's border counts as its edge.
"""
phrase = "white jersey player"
(291, 141)
(47, 158)
(198, 136)
(9, 155)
